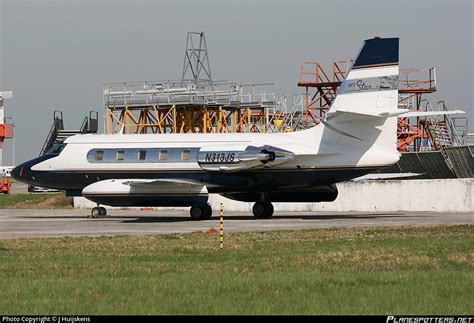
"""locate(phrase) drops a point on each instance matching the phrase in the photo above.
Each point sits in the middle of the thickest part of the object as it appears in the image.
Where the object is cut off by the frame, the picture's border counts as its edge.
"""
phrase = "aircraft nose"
(21, 172)
(36, 172)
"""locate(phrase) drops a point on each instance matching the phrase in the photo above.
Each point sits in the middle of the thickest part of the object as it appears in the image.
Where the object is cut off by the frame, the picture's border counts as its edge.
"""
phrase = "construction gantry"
(189, 107)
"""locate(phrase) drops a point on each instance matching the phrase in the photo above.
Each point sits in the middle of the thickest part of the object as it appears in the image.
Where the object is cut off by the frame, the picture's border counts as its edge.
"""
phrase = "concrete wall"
(440, 195)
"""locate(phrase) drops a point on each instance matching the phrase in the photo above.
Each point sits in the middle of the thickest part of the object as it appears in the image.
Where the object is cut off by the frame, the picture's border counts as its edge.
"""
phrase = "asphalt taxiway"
(21, 223)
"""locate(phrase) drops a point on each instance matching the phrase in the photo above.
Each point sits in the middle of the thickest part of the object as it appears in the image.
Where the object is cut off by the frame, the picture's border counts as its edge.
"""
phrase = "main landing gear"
(202, 212)
(97, 212)
(262, 210)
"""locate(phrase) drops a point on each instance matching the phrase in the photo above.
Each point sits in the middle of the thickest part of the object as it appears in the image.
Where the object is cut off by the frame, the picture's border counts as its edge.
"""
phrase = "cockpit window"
(56, 148)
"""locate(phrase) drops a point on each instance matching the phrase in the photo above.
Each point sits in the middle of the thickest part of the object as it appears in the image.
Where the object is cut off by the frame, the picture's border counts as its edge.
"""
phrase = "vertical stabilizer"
(371, 85)
(362, 118)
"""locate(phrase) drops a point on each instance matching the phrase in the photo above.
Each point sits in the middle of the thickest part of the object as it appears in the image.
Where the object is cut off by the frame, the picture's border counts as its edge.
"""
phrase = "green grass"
(9, 199)
(408, 270)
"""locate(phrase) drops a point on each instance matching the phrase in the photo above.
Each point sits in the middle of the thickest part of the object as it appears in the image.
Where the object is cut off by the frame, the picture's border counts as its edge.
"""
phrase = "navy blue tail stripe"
(378, 51)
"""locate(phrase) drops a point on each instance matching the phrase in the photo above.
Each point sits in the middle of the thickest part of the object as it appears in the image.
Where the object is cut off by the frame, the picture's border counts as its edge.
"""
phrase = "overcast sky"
(55, 55)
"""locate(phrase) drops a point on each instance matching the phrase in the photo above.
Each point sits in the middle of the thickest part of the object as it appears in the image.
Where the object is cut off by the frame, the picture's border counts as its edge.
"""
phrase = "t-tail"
(361, 124)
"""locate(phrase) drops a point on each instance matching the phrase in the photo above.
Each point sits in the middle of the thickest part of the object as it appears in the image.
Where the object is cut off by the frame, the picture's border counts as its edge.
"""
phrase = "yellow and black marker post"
(221, 228)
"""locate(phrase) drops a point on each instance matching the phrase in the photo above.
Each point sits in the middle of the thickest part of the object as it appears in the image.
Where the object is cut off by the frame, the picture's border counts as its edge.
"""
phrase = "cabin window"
(163, 155)
(141, 154)
(185, 154)
(120, 155)
(99, 155)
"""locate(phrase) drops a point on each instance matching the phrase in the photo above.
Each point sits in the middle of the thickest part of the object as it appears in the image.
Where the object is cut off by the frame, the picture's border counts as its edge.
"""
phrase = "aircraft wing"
(233, 158)
(167, 182)
(144, 186)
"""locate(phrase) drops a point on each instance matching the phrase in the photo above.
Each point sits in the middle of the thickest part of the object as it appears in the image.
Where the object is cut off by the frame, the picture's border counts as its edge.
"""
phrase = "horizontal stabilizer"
(385, 176)
(404, 113)
(429, 113)
(351, 114)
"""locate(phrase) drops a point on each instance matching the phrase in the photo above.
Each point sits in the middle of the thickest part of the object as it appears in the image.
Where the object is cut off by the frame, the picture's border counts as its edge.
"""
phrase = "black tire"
(203, 212)
(263, 210)
(207, 212)
(102, 211)
(196, 213)
(95, 212)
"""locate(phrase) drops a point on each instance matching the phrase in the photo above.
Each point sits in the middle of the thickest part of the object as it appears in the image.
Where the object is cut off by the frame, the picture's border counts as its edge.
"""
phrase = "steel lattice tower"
(196, 66)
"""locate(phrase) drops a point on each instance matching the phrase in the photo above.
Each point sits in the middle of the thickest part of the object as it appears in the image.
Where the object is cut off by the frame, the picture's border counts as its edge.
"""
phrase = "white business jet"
(357, 137)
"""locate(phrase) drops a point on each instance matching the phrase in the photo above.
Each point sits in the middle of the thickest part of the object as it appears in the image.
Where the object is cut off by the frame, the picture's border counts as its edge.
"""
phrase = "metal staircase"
(57, 135)
(439, 134)
(443, 135)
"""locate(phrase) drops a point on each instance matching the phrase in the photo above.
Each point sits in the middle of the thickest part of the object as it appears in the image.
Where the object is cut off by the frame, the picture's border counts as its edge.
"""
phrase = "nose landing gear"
(97, 212)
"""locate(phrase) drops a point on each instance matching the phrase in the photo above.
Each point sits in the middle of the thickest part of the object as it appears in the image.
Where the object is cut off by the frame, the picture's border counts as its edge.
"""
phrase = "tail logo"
(380, 83)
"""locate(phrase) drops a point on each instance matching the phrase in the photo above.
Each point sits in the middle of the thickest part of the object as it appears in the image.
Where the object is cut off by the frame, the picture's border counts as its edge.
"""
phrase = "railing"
(416, 80)
(289, 116)
(338, 72)
(468, 138)
(457, 140)
(53, 132)
(176, 92)
(429, 123)
(311, 73)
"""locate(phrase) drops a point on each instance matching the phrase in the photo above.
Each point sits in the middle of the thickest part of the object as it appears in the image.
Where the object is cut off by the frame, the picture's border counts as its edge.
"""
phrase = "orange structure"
(414, 83)
(321, 89)
(5, 187)
(6, 132)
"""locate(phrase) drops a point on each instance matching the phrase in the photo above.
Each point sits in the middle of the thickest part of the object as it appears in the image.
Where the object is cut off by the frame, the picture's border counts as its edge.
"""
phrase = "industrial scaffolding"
(189, 107)
(413, 134)
(194, 104)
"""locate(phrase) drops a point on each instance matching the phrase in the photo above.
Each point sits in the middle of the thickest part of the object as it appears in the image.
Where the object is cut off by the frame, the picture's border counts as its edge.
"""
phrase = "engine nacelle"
(232, 158)
(315, 194)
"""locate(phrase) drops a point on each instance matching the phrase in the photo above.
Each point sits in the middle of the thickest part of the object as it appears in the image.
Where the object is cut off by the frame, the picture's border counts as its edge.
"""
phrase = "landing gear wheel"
(262, 210)
(95, 212)
(196, 212)
(207, 212)
(102, 211)
(203, 212)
